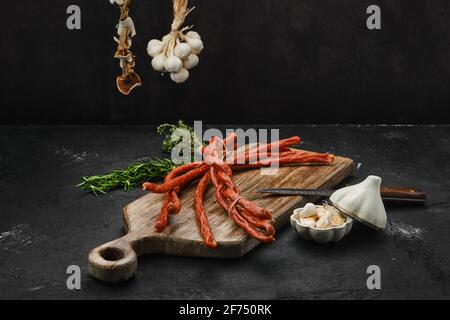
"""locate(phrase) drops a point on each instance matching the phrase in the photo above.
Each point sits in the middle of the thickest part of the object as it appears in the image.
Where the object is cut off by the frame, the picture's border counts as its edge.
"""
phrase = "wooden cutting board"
(117, 260)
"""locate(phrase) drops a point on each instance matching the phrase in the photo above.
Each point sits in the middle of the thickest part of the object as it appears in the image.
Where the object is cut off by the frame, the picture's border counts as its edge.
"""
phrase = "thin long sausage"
(241, 222)
(244, 225)
(163, 218)
(172, 204)
(249, 206)
(202, 219)
(288, 160)
(180, 180)
(257, 223)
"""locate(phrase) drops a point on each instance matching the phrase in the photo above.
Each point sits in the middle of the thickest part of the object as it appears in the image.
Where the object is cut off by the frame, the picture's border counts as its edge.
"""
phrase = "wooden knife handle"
(403, 195)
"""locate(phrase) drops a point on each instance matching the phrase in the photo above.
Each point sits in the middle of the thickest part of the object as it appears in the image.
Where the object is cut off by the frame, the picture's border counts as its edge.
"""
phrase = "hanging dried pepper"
(129, 79)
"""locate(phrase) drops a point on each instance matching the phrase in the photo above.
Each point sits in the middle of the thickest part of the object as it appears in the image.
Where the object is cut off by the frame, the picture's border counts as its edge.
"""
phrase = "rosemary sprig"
(129, 178)
(142, 171)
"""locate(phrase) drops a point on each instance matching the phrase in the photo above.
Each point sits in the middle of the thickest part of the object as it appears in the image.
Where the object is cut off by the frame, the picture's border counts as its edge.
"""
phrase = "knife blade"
(391, 195)
(298, 192)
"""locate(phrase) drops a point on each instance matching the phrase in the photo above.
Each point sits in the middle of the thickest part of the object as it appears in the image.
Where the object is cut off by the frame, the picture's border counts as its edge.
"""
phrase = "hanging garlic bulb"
(180, 76)
(173, 64)
(158, 63)
(196, 44)
(193, 34)
(182, 50)
(191, 61)
(177, 52)
(154, 48)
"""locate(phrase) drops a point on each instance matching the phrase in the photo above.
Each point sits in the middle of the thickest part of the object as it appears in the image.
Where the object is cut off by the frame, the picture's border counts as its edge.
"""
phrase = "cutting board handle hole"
(115, 261)
(112, 254)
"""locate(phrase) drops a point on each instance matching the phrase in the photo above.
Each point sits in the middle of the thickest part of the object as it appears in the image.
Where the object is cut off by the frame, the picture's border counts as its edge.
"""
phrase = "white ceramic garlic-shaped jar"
(362, 202)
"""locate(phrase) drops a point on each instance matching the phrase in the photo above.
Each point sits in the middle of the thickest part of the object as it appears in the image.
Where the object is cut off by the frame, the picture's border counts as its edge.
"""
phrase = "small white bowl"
(333, 234)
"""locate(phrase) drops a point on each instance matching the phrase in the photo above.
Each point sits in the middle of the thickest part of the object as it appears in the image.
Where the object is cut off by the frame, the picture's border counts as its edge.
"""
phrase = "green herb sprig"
(142, 171)
(185, 133)
(129, 178)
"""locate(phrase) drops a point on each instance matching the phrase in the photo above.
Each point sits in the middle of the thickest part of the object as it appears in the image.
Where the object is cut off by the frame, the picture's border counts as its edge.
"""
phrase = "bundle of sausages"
(254, 220)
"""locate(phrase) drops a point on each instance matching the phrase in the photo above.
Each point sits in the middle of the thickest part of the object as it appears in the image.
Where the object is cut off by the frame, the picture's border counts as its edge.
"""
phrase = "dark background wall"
(266, 61)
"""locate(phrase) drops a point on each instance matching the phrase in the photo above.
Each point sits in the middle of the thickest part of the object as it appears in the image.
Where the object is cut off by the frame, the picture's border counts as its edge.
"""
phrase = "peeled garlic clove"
(154, 48)
(191, 61)
(158, 62)
(180, 76)
(336, 220)
(182, 50)
(323, 222)
(308, 211)
(196, 44)
(321, 211)
(193, 34)
(173, 64)
(308, 222)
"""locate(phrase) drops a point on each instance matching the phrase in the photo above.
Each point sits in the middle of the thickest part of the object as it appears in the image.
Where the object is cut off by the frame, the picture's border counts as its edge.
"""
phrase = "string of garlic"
(177, 52)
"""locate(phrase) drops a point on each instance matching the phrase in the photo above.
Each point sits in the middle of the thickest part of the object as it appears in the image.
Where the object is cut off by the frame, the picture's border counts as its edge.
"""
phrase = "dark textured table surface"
(46, 224)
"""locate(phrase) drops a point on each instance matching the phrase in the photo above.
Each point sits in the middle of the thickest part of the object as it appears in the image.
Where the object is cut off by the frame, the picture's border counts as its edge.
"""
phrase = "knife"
(390, 195)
